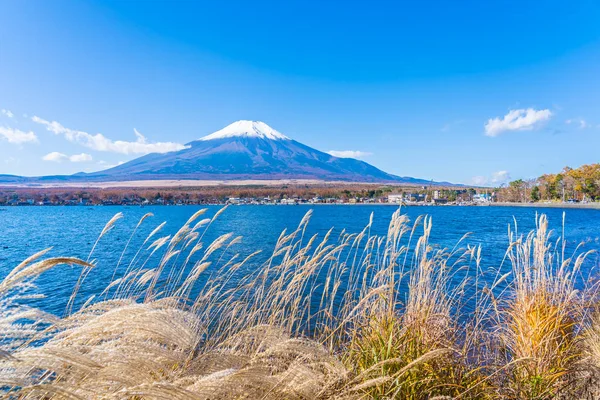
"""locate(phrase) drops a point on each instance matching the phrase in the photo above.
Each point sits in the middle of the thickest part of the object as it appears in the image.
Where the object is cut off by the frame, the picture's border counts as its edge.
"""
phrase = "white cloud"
(349, 153)
(500, 177)
(100, 142)
(83, 157)
(582, 123)
(517, 120)
(55, 156)
(7, 113)
(16, 136)
(497, 178)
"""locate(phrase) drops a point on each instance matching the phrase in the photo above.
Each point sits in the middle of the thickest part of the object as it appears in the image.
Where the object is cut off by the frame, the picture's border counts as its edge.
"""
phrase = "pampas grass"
(350, 316)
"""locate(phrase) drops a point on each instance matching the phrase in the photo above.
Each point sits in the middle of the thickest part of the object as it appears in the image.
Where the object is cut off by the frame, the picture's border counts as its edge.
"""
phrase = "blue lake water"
(72, 231)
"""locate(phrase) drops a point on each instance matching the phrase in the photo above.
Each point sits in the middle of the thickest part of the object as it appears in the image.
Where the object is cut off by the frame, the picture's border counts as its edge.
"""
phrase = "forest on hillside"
(571, 184)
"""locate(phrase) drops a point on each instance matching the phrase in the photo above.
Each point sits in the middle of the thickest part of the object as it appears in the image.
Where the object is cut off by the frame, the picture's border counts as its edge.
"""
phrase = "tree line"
(571, 184)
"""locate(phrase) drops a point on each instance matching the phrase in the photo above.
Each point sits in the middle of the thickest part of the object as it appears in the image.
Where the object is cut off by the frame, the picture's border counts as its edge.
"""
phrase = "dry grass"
(350, 316)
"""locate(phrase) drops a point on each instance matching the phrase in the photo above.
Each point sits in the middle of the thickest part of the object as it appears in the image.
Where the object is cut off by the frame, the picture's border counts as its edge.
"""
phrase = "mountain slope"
(247, 150)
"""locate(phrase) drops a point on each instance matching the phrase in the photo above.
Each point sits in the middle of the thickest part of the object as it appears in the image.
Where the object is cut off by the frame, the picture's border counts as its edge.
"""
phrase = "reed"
(542, 317)
(346, 316)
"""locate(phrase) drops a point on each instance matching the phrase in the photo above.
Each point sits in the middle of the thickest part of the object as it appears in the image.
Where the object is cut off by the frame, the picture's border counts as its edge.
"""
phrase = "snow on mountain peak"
(244, 128)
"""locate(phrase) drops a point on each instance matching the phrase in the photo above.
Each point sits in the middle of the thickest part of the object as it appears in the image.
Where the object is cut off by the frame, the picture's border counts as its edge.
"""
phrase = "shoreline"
(587, 206)
(592, 206)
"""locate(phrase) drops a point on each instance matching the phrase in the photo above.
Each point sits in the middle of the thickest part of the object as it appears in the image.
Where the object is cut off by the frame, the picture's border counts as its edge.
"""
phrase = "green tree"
(535, 193)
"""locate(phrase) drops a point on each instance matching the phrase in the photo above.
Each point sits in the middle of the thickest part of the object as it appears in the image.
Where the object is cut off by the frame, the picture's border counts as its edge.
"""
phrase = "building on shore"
(395, 198)
(482, 198)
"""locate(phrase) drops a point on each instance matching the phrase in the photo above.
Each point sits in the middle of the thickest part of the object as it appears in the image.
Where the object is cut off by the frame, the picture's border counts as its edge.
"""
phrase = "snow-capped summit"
(245, 128)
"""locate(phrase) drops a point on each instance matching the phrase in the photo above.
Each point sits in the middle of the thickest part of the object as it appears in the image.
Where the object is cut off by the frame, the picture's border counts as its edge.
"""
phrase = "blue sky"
(468, 92)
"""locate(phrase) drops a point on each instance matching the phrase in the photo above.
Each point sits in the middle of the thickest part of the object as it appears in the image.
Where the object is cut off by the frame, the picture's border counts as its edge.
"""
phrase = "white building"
(482, 198)
(394, 198)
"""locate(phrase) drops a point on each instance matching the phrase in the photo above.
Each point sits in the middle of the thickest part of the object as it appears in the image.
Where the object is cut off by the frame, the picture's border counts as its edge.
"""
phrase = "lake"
(72, 231)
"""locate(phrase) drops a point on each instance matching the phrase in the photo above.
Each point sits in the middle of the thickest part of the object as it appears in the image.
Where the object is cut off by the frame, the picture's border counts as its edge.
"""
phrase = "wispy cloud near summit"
(56, 156)
(100, 142)
(349, 153)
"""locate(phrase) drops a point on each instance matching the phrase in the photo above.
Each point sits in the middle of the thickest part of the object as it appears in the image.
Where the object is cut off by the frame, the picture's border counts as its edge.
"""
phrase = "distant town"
(285, 195)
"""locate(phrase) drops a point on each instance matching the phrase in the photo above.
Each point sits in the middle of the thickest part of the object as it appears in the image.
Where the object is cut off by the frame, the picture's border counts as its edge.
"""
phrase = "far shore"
(593, 206)
(550, 205)
(284, 191)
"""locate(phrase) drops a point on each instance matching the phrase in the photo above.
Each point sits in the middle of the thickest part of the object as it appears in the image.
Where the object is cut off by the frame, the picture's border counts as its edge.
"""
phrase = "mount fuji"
(247, 150)
(242, 150)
